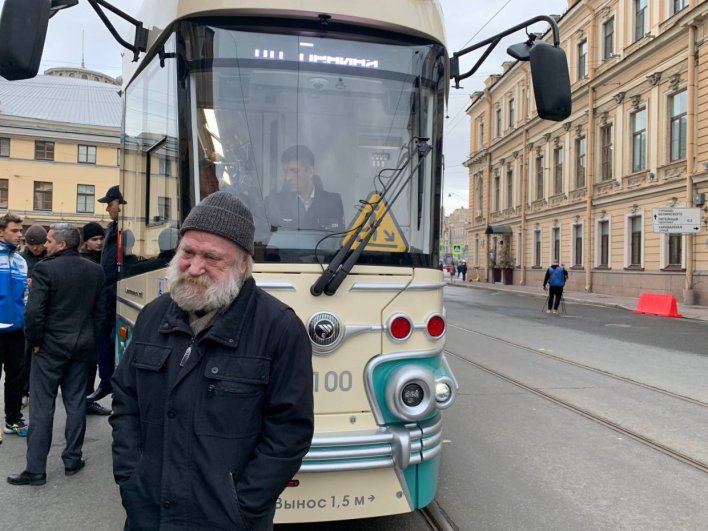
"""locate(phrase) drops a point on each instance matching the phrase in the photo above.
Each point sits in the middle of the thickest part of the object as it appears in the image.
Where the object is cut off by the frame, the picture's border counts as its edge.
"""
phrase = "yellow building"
(584, 191)
(59, 145)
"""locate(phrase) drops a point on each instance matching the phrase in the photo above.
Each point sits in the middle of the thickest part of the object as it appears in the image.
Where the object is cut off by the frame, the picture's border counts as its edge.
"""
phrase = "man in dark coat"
(303, 203)
(109, 262)
(62, 323)
(34, 249)
(212, 403)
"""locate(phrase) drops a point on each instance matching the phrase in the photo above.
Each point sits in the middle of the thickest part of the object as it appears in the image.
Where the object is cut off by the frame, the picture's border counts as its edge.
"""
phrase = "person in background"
(92, 235)
(34, 251)
(212, 403)
(167, 243)
(462, 268)
(63, 318)
(13, 288)
(556, 275)
(109, 262)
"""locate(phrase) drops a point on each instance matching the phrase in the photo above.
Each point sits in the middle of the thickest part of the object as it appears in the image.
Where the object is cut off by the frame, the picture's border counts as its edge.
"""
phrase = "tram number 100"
(332, 381)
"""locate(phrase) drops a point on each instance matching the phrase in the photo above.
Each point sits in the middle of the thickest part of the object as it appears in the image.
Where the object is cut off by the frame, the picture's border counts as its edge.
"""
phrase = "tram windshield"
(308, 130)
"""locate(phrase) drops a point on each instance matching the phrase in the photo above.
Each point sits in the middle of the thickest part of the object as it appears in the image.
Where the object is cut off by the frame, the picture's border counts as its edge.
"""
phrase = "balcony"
(578, 194)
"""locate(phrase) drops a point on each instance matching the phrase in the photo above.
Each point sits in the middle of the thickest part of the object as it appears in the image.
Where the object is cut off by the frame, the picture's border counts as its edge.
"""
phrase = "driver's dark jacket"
(286, 210)
(211, 444)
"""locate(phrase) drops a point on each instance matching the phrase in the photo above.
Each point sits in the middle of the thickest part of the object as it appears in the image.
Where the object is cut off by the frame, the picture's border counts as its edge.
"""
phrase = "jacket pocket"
(151, 378)
(232, 397)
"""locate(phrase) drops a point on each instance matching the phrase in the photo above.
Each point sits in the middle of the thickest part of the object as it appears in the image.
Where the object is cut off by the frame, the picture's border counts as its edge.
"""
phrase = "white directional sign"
(677, 220)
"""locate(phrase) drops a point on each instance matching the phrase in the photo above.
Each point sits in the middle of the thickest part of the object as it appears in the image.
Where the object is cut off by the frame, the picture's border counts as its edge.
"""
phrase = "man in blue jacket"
(212, 403)
(13, 290)
(556, 275)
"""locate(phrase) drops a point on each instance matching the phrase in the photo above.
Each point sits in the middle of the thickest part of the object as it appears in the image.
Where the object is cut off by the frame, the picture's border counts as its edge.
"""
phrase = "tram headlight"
(442, 392)
(409, 393)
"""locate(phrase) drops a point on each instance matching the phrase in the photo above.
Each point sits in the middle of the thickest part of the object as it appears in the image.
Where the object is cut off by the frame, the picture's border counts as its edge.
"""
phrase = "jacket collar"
(227, 326)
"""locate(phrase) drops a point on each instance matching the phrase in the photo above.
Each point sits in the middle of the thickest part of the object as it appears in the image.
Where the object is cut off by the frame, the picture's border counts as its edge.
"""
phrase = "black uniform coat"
(209, 440)
(66, 306)
(285, 209)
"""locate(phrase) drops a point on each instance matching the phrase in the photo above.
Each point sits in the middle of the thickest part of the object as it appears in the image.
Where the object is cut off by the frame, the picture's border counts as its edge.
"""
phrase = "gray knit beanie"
(223, 214)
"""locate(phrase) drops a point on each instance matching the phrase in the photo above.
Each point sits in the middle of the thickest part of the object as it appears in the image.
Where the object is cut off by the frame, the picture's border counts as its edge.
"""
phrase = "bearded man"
(212, 403)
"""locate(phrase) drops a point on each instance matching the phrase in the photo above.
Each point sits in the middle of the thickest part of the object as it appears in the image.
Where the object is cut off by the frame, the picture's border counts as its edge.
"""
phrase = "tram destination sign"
(677, 220)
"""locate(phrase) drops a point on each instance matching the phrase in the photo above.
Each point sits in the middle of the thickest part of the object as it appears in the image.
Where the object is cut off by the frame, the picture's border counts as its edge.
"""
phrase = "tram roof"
(421, 18)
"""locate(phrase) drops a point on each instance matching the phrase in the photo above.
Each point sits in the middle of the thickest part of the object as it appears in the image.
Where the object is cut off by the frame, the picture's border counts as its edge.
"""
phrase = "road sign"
(388, 236)
(677, 220)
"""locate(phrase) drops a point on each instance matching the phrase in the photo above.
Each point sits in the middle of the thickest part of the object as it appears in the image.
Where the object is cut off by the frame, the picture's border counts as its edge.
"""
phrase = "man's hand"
(545, 288)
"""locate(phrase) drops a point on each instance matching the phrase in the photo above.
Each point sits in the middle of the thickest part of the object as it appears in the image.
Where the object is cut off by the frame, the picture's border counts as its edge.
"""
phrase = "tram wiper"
(348, 255)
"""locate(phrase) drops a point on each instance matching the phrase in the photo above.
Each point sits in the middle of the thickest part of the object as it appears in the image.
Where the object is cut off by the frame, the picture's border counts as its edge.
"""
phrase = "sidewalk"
(600, 299)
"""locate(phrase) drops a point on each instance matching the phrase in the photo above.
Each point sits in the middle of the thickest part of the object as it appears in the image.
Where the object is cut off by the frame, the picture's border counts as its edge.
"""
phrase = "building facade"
(59, 148)
(583, 191)
(454, 240)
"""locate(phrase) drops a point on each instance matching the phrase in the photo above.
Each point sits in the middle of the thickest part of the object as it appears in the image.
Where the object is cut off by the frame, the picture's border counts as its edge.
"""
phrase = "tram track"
(583, 366)
(437, 518)
(632, 434)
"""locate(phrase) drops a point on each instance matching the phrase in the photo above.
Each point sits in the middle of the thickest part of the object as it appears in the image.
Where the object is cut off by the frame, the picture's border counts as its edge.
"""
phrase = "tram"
(343, 103)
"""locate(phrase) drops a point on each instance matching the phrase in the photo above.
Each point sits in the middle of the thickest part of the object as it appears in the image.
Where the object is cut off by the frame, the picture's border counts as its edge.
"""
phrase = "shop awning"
(498, 229)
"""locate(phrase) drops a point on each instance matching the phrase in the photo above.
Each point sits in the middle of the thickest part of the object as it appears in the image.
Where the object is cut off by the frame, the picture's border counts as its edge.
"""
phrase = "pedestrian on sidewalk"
(13, 289)
(212, 403)
(556, 275)
(62, 324)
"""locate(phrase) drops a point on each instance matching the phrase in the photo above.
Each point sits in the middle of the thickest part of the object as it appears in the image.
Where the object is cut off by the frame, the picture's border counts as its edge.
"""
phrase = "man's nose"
(196, 266)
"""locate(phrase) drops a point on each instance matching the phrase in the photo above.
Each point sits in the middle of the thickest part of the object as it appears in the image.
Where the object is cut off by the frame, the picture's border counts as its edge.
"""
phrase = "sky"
(77, 34)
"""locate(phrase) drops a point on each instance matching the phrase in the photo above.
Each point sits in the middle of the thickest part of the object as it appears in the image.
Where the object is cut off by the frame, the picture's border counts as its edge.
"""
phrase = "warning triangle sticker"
(388, 236)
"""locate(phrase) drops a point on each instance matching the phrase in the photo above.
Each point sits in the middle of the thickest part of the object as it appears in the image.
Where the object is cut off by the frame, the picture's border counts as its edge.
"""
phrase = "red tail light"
(400, 327)
(436, 326)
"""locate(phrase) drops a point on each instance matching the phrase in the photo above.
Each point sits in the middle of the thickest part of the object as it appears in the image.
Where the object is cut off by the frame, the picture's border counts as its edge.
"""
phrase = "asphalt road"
(520, 457)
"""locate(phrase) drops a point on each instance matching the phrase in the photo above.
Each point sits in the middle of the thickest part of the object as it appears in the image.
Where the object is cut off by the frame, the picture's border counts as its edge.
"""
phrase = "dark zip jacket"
(208, 440)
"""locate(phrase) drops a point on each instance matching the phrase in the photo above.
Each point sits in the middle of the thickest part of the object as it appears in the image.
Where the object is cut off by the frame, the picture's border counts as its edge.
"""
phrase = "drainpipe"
(523, 175)
(689, 296)
(590, 163)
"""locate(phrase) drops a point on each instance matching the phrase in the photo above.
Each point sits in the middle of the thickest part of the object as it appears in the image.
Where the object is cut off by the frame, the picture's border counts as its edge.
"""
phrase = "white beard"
(184, 290)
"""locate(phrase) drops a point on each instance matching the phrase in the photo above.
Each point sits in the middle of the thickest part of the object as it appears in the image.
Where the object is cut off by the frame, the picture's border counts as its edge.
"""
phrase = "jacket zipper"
(187, 353)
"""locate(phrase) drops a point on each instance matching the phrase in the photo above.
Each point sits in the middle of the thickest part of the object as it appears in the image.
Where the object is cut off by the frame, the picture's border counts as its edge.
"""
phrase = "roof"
(62, 99)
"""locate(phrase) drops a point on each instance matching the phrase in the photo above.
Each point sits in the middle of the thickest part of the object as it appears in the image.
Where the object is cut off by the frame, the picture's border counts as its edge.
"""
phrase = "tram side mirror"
(551, 81)
(23, 28)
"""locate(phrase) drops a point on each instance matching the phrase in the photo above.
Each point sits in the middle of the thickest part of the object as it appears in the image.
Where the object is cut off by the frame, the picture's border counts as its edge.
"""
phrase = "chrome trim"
(397, 447)
(384, 358)
(275, 285)
(431, 453)
(401, 286)
(325, 346)
(131, 304)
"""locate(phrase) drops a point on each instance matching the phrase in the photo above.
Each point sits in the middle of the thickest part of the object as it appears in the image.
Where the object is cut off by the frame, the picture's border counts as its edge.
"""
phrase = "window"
(582, 60)
(481, 135)
(512, 118)
(639, 140)
(497, 192)
(539, 176)
(85, 198)
(43, 195)
(635, 241)
(498, 122)
(87, 154)
(43, 150)
(480, 195)
(558, 170)
(509, 186)
(608, 39)
(641, 19)
(677, 104)
(675, 255)
(556, 239)
(165, 164)
(577, 245)
(4, 195)
(4, 147)
(604, 243)
(606, 152)
(580, 154)
(164, 208)
(678, 5)
(537, 248)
